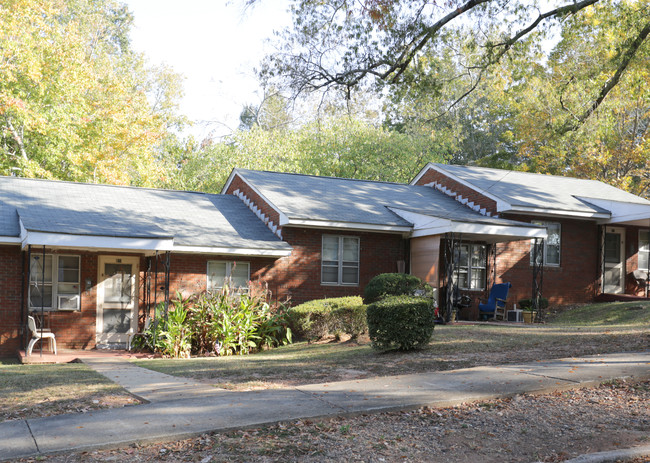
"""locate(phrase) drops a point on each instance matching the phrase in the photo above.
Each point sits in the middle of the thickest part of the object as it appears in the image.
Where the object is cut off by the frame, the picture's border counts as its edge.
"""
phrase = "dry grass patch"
(452, 347)
(33, 391)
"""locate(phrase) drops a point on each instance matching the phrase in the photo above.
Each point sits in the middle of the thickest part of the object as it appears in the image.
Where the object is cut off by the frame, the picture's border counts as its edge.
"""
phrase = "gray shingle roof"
(332, 199)
(192, 219)
(541, 191)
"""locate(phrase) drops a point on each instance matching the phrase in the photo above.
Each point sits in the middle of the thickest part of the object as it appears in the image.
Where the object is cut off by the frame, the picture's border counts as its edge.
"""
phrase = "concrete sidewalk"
(171, 416)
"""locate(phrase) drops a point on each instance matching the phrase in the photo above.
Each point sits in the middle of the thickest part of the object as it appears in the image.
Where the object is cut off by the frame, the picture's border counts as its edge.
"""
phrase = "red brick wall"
(432, 175)
(188, 272)
(238, 184)
(10, 296)
(298, 276)
(577, 278)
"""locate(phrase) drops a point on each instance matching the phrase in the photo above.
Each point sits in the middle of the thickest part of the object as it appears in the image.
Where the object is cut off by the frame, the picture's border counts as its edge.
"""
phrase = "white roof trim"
(10, 240)
(283, 217)
(308, 223)
(506, 233)
(621, 212)
(502, 205)
(558, 212)
(233, 251)
(96, 242)
(70, 241)
(426, 225)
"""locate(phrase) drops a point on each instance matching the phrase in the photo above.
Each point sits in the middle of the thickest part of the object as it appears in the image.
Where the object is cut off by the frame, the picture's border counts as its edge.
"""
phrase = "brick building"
(91, 259)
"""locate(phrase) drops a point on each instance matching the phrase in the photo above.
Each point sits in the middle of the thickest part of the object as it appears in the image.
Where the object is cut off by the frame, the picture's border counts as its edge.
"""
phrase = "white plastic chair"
(37, 335)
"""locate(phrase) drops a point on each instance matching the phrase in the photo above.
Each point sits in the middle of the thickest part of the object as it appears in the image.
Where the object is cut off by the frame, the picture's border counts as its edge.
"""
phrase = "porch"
(74, 355)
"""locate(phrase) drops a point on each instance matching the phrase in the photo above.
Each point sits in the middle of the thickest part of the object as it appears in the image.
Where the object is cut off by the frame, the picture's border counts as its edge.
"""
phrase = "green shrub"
(321, 317)
(394, 284)
(221, 323)
(527, 304)
(401, 322)
(353, 319)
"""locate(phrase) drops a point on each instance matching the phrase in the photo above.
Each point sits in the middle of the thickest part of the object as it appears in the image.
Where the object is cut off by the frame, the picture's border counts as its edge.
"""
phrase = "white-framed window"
(550, 251)
(644, 249)
(340, 260)
(471, 269)
(236, 273)
(54, 282)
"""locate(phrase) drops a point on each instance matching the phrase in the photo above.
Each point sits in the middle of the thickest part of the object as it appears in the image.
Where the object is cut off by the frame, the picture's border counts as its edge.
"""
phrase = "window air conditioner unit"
(68, 302)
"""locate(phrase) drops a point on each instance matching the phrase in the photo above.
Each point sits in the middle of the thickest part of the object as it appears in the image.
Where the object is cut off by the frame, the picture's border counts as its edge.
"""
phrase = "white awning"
(488, 230)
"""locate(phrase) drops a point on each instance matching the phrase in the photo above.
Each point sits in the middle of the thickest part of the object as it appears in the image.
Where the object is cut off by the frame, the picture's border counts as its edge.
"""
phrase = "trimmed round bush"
(401, 322)
(395, 284)
(321, 317)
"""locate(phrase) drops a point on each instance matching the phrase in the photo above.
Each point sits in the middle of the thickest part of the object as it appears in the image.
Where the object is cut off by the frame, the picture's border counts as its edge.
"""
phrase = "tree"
(334, 146)
(272, 113)
(76, 103)
(344, 44)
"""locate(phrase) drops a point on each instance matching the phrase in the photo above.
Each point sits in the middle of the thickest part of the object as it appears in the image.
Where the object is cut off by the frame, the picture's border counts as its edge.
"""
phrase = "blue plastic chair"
(496, 301)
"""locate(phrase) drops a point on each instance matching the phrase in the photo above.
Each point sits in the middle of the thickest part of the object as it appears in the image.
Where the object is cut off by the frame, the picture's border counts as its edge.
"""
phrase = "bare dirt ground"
(547, 428)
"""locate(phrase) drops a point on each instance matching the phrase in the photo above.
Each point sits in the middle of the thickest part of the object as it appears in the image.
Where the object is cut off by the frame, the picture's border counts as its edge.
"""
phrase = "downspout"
(43, 296)
(167, 263)
(155, 300)
(24, 297)
(601, 260)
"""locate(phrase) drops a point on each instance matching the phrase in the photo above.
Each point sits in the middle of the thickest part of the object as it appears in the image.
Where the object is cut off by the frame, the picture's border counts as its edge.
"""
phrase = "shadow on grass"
(25, 378)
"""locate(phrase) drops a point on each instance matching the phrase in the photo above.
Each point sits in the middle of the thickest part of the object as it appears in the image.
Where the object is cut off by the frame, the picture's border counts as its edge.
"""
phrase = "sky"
(215, 45)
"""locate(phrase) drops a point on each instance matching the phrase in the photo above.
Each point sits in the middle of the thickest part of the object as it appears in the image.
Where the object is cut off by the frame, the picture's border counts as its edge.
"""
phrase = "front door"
(117, 300)
(614, 261)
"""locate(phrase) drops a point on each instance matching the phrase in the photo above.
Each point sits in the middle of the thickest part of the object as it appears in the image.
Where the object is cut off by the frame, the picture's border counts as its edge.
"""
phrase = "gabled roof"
(332, 202)
(526, 192)
(187, 221)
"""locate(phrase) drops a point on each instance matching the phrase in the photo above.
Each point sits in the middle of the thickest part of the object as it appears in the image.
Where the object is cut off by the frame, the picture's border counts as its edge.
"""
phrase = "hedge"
(321, 317)
(394, 284)
(401, 322)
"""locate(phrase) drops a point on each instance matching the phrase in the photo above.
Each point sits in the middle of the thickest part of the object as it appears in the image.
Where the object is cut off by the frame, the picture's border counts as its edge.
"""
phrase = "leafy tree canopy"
(76, 103)
(334, 146)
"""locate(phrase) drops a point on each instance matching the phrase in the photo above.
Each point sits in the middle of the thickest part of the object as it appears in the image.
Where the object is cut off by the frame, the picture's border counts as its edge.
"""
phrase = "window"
(551, 249)
(340, 260)
(644, 249)
(471, 266)
(54, 282)
(236, 273)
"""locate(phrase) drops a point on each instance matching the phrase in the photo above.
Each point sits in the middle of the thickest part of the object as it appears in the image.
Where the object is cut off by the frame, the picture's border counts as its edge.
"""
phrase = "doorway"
(614, 261)
(117, 300)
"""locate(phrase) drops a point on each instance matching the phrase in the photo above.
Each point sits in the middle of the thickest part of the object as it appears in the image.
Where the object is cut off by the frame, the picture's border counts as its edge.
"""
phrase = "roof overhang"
(145, 245)
(228, 251)
(352, 226)
(10, 240)
(97, 243)
(558, 213)
(427, 225)
(623, 213)
(93, 242)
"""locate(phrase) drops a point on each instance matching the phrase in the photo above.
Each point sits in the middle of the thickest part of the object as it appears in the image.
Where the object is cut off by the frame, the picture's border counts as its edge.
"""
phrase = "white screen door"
(614, 261)
(117, 300)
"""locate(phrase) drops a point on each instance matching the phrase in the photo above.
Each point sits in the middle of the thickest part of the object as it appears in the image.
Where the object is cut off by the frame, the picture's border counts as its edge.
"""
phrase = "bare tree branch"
(612, 81)
(17, 138)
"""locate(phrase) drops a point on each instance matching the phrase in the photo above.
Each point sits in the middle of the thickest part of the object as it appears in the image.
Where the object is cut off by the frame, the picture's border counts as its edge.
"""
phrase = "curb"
(612, 455)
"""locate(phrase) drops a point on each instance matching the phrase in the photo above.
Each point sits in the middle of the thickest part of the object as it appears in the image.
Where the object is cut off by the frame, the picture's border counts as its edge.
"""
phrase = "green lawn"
(594, 329)
(30, 391)
(613, 313)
